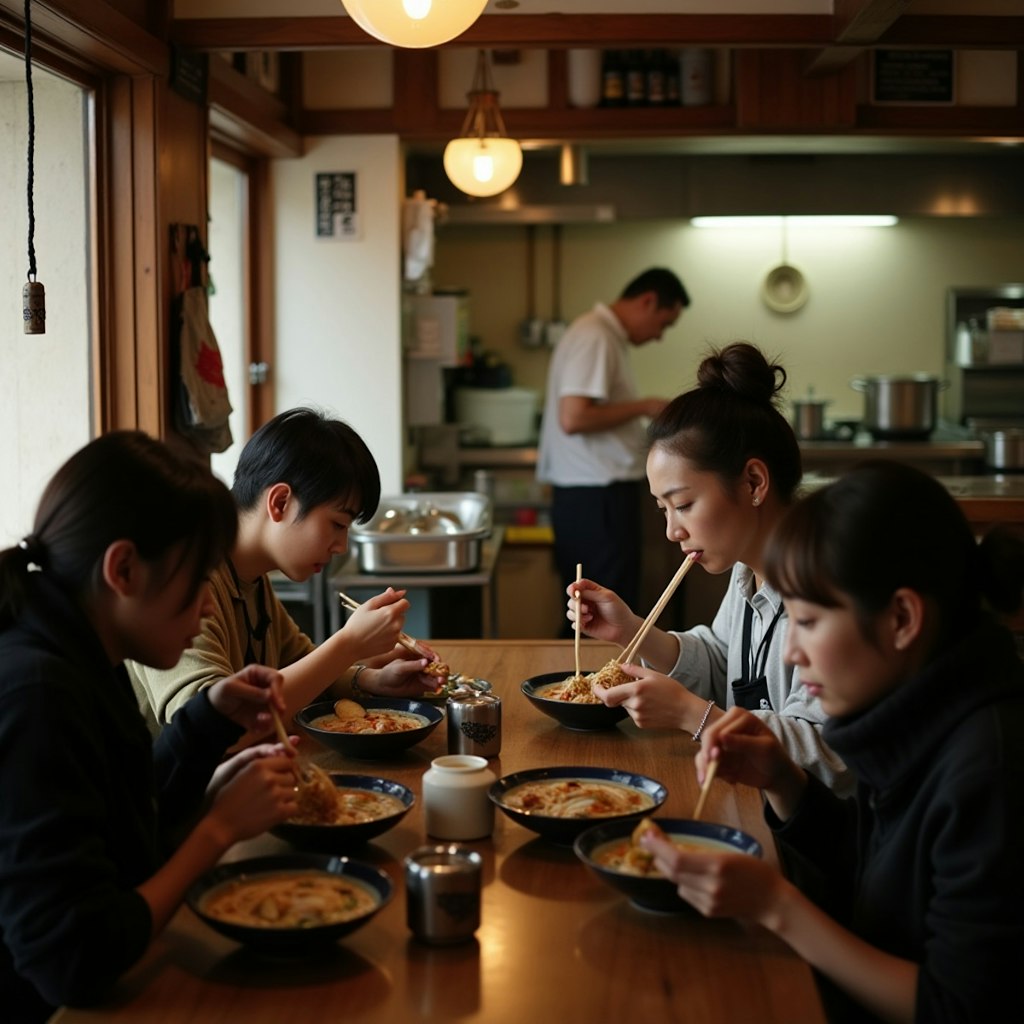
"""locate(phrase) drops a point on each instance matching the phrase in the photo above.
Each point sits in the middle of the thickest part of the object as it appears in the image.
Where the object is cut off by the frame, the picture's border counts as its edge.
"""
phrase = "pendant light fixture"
(414, 23)
(483, 161)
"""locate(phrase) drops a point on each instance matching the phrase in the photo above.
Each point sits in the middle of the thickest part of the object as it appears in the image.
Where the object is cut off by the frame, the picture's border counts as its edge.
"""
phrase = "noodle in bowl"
(360, 808)
(559, 803)
(604, 848)
(373, 743)
(290, 902)
(545, 693)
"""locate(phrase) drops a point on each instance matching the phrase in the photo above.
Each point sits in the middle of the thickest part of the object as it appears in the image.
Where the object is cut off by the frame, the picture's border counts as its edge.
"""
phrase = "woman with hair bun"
(919, 903)
(101, 830)
(723, 466)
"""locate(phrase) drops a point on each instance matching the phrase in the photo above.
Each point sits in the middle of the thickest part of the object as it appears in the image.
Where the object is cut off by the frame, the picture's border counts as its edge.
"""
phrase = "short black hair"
(323, 460)
(665, 285)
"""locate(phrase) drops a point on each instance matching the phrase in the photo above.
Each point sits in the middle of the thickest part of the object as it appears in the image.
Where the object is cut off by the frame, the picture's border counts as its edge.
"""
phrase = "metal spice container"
(474, 724)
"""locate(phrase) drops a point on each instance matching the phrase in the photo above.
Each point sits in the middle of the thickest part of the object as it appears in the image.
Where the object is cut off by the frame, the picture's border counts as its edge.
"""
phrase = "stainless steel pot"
(809, 418)
(899, 407)
(1004, 449)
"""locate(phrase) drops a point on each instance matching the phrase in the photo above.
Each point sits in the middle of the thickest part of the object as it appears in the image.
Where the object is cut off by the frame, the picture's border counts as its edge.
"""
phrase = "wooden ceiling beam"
(520, 30)
(858, 20)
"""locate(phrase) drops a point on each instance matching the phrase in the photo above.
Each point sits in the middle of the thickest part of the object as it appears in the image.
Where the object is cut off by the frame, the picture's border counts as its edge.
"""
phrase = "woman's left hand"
(228, 769)
(247, 696)
(653, 701)
(719, 884)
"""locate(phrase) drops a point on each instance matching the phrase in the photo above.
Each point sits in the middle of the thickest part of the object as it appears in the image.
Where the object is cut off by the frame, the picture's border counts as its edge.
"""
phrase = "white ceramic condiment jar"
(455, 800)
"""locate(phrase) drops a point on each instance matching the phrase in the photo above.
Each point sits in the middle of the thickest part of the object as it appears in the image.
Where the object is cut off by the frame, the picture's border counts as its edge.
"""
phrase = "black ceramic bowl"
(581, 717)
(565, 830)
(336, 838)
(655, 892)
(367, 746)
(289, 940)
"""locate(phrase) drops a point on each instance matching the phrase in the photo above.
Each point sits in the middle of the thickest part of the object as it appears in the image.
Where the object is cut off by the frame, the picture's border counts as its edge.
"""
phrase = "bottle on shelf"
(673, 95)
(636, 79)
(657, 62)
(613, 79)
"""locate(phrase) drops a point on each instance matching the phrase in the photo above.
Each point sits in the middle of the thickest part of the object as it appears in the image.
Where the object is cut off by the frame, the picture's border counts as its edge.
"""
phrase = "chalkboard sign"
(913, 76)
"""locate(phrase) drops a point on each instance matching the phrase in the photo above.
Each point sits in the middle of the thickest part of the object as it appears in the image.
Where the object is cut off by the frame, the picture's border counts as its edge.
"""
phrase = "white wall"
(877, 295)
(337, 321)
(44, 379)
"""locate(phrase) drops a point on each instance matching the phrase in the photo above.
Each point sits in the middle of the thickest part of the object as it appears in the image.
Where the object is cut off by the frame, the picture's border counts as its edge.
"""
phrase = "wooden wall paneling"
(773, 94)
(261, 299)
(117, 384)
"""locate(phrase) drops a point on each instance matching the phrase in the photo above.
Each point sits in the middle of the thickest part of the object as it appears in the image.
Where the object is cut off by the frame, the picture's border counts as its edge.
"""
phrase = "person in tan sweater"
(302, 479)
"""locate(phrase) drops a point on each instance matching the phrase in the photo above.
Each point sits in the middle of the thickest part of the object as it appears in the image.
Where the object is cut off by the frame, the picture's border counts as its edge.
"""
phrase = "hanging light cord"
(31, 142)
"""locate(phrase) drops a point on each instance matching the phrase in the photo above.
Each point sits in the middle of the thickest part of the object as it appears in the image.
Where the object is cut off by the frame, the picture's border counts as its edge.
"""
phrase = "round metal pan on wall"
(785, 289)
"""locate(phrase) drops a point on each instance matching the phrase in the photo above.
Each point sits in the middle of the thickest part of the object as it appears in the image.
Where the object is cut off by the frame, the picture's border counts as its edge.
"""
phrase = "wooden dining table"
(555, 943)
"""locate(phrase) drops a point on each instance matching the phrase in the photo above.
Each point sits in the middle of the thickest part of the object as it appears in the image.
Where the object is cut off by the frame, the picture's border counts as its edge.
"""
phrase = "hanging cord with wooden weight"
(33, 295)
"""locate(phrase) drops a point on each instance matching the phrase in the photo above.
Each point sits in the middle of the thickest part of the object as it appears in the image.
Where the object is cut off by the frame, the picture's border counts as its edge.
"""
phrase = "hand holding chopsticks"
(404, 639)
(629, 651)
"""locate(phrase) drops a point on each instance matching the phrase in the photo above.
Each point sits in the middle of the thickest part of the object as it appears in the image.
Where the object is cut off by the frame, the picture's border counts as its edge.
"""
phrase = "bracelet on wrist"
(357, 690)
(703, 721)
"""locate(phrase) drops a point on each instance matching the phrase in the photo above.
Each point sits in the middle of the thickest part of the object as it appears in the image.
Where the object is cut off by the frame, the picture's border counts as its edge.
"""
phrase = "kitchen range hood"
(560, 213)
(643, 185)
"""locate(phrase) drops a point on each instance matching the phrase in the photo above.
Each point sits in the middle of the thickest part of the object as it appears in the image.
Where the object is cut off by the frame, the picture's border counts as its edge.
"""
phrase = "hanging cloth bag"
(203, 408)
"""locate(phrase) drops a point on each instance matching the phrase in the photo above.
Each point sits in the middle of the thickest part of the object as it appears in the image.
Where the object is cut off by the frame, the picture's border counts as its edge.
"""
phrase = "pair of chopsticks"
(629, 651)
(576, 631)
(282, 737)
(709, 777)
(408, 642)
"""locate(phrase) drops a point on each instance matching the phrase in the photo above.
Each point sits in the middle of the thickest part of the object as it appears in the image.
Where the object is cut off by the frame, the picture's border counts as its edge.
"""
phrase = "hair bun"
(742, 369)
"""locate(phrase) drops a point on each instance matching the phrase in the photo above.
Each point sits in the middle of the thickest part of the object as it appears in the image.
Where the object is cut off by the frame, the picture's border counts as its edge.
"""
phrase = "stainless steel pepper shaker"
(442, 885)
(474, 724)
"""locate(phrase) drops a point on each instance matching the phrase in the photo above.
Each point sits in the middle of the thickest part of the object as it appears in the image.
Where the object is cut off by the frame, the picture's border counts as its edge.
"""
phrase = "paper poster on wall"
(337, 209)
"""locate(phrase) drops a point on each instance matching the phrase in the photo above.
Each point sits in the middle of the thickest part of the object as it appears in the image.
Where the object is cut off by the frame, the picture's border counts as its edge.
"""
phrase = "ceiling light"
(483, 161)
(851, 220)
(414, 23)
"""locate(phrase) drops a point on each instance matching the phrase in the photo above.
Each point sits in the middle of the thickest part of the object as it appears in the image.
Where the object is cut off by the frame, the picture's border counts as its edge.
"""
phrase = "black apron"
(751, 690)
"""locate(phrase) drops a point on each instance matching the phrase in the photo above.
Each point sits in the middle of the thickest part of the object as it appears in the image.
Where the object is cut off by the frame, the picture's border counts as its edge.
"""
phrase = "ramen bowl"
(655, 892)
(340, 836)
(368, 746)
(562, 810)
(373, 887)
(581, 717)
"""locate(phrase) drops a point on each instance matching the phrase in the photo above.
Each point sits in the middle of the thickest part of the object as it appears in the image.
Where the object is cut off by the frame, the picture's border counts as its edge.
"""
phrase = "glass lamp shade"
(482, 166)
(414, 23)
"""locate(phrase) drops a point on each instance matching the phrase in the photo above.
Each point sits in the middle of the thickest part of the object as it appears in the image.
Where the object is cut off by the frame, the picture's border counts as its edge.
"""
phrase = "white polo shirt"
(591, 360)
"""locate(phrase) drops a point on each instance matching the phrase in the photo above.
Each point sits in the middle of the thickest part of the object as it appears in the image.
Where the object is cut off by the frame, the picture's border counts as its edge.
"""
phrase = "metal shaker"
(474, 724)
(442, 885)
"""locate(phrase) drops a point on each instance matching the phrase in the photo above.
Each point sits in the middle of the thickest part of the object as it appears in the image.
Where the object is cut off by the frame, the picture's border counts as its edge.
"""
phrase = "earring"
(757, 501)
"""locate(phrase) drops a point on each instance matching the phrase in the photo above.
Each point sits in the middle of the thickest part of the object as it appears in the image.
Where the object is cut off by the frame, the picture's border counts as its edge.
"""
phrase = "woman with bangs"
(101, 830)
(723, 467)
(893, 606)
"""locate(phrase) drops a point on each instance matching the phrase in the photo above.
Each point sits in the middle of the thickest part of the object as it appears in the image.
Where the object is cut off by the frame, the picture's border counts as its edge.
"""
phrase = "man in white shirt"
(592, 444)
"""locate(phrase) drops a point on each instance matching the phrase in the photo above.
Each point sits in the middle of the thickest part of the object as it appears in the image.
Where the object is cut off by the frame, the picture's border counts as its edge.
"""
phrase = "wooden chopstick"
(709, 776)
(282, 736)
(579, 576)
(629, 651)
(408, 642)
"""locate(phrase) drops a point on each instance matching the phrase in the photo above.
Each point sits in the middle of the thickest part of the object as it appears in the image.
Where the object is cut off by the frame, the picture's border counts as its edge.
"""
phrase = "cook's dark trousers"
(599, 527)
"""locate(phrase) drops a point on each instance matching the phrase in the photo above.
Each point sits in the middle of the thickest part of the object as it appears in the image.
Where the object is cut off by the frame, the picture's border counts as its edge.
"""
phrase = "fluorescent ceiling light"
(853, 220)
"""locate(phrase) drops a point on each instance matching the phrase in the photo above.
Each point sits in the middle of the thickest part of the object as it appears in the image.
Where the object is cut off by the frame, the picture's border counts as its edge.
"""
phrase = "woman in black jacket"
(920, 914)
(101, 831)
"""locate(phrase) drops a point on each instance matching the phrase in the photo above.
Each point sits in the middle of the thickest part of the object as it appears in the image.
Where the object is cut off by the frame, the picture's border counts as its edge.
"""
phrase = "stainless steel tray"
(425, 532)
